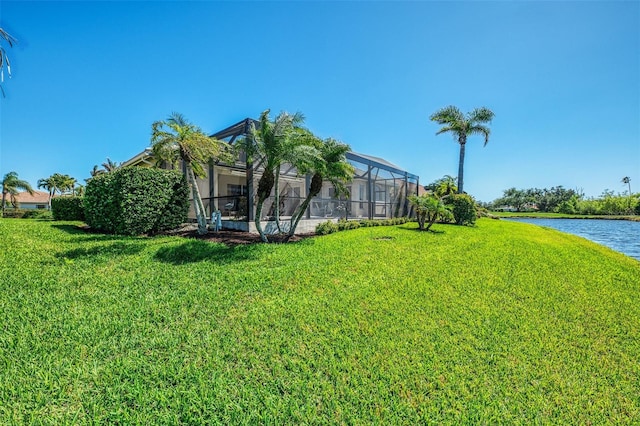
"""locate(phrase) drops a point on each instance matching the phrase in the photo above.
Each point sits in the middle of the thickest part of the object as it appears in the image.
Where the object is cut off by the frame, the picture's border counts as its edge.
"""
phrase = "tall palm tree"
(627, 180)
(462, 126)
(330, 165)
(10, 186)
(176, 139)
(4, 59)
(272, 144)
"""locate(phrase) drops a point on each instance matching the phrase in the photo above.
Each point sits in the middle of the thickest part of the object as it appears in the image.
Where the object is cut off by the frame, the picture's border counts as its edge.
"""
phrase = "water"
(620, 235)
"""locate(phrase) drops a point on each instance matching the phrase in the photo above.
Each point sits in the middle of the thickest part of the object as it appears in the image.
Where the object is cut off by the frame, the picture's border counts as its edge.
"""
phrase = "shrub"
(637, 209)
(14, 213)
(463, 208)
(37, 214)
(136, 200)
(67, 208)
(327, 227)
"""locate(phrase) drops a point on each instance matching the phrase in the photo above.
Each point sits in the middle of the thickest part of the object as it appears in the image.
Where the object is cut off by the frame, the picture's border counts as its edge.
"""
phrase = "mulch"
(234, 238)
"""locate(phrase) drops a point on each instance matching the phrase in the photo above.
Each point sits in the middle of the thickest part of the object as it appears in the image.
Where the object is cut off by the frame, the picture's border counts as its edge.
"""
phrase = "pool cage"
(379, 189)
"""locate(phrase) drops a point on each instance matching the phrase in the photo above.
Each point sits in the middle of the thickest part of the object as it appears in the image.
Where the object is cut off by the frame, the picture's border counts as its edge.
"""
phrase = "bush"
(67, 208)
(327, 227)
(463, 208)
(637, 209)
(136, 200)
(343, 224)
(37, 214)
(14, 213)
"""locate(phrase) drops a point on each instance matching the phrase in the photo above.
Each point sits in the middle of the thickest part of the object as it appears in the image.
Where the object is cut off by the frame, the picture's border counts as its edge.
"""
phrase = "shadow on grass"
(84, 234)
(197, 251)
(426, 231)
(69, 229)
(119, 248)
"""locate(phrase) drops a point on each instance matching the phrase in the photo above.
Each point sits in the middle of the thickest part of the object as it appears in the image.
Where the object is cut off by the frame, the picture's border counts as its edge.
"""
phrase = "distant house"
(379, 189)
(39, 200)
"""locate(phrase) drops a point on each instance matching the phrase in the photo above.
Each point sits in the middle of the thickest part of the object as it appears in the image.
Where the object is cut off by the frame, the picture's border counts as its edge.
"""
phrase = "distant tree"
(331, 165)
(11, 185)
(444, 186)
(96, 171)
(4, 59)
(49, 185)
(110, 166)
(627, 181)
(78, 191)
(462, 126)
(177, 139)
(57, 182)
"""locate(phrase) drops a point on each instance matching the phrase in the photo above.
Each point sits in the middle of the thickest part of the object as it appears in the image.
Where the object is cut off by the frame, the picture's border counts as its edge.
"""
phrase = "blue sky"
(563, 78)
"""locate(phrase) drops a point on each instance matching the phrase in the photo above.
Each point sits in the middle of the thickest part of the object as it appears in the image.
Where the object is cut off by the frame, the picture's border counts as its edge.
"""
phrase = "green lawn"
(501, 323)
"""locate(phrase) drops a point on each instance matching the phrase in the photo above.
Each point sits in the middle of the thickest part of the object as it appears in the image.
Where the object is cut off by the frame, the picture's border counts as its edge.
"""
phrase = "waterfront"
(619, 235)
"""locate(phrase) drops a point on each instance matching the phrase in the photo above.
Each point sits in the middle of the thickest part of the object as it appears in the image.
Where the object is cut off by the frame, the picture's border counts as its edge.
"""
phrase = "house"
(379, 189)
(39, 200)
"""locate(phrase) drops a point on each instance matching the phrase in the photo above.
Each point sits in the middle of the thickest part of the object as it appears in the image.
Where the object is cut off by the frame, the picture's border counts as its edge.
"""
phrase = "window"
(236, 190)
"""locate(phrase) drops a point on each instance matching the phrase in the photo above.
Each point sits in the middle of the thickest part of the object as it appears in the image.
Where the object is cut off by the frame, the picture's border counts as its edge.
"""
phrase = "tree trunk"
(463, 142)
(4, 200)
(263, 237)
(314, 189)
(265, 184)
(197, 202)
(276, 186)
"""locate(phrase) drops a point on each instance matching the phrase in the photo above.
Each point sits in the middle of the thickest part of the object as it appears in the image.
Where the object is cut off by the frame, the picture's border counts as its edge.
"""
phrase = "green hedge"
(28, 214)
(330, 227)
(67, 208)
(136, 200)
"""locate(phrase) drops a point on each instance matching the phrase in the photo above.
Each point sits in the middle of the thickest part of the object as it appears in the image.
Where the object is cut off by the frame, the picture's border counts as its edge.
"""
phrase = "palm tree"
(461, 127)
(330, 165)
(274, 143)
(443, 187)
(4, 59)
(10, 186)
(49, 185)
(57, 182)
(627, 180)
(429, 208)
(109, 165)
(78, 191)
(176, 139)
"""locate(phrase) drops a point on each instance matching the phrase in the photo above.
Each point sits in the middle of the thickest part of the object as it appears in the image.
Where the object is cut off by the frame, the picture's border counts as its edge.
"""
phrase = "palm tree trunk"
(263, 237)
(314, 190)
(4, 200)
(197, 200)
(461, 165)
(276, 194)
(295, 219)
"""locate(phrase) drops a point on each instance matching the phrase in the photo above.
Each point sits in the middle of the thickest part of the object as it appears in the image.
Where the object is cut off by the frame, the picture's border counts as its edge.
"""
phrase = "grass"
(545, 215)
(500, 323)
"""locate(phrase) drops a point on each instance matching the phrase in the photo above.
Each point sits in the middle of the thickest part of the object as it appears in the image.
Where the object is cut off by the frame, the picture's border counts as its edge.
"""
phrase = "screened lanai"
(379, 189)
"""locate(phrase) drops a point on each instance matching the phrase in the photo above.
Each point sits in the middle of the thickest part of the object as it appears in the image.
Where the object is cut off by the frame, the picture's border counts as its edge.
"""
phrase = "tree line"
(558, 199)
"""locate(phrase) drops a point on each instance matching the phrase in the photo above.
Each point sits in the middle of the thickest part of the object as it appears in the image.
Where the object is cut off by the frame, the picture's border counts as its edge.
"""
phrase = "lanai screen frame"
(369, 167)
